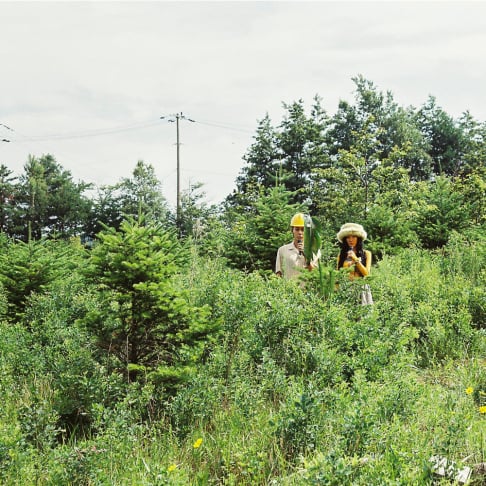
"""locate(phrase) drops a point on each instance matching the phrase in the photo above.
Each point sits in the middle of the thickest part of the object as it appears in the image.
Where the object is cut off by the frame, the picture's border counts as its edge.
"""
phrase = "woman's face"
(352, 240)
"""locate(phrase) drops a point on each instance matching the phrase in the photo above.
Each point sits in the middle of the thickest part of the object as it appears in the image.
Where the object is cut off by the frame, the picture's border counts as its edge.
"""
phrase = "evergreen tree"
(143, 319)
(444, 136)
(473, 144)
(48, 201)
(194, 212)
(292, 150)
(301, 141)
(393, 128)
(262, 161)
(440, 210)
(31, 268)
(32, 195)
(106, 210)
(139, 197)
(253, 238)
(472, 188)
(7, 199)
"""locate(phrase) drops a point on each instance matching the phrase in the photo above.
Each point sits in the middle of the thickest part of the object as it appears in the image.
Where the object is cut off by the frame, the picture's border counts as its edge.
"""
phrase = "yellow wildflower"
(482, 409)
(171, 468)
(197, 444)
(469, 390)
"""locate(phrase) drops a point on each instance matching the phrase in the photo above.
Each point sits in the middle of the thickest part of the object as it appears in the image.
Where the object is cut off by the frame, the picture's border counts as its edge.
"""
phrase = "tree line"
(411, 175)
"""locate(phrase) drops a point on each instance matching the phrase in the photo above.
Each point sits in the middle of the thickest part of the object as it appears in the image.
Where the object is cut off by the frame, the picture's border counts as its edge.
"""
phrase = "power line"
(87, 134)
(173, 118)
(220, 125)
(114, 130)
(8, 128)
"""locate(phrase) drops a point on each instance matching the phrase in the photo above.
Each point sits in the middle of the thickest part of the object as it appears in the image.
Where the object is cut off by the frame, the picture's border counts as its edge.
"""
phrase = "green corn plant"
(312, 237)
(312, 246)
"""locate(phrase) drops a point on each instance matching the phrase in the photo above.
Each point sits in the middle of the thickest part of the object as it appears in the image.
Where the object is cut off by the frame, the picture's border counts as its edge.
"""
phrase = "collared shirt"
(290, 262)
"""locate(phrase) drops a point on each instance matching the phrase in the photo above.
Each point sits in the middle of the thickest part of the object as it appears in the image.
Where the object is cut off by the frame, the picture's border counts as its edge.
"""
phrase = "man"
(290, 258)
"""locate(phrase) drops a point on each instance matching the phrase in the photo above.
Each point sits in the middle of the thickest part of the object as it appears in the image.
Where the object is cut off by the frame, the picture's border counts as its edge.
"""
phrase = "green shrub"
(297, 423)
(432, 313)
(27, 268)
(67, 354)
(142, 318)
(196, 403)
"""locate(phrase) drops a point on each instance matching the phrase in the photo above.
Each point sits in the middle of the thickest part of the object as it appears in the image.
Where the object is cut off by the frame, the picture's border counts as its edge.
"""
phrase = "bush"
(27, 268)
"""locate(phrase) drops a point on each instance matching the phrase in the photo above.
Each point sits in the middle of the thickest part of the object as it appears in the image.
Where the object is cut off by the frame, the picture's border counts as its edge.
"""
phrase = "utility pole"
(175, 118)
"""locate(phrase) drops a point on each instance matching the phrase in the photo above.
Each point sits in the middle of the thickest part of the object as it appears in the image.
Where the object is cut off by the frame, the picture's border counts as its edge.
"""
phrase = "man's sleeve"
(278, 263)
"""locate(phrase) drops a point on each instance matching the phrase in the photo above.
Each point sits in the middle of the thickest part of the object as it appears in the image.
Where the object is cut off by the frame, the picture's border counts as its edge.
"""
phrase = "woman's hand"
(353, 256)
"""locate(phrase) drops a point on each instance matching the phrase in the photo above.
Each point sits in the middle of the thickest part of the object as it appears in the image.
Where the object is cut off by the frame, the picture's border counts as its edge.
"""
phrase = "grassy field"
(293, 389)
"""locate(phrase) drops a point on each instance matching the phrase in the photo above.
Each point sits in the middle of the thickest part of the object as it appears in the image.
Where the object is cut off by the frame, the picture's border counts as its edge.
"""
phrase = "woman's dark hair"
(359, 250)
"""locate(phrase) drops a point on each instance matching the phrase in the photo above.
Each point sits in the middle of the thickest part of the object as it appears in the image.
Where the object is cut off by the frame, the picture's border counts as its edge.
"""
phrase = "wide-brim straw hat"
(351, 229)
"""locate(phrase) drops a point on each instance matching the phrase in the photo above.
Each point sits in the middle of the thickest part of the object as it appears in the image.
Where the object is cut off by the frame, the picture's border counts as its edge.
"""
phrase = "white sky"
(88, 81)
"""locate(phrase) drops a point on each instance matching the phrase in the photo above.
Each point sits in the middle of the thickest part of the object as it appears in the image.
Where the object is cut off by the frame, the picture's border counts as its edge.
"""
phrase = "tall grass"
(294, 389)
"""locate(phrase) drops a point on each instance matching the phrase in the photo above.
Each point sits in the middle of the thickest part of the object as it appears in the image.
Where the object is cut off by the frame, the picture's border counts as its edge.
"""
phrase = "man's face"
(298, 233)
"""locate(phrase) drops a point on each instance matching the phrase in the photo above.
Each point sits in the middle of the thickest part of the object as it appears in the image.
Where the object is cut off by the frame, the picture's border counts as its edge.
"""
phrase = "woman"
(354, 256)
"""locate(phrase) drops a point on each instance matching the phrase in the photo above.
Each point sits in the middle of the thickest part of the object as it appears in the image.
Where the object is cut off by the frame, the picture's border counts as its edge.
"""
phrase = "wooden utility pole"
(175, 118)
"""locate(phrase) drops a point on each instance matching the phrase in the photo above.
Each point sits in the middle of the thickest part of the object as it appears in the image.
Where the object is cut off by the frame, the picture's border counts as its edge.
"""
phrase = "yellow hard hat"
(297, 220)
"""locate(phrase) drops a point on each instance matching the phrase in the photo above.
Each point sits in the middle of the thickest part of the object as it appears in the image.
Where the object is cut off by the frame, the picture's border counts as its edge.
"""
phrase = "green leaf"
(312, 237)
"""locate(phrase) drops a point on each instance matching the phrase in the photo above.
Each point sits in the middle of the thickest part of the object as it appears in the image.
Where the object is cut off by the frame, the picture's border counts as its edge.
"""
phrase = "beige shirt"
(291, 263)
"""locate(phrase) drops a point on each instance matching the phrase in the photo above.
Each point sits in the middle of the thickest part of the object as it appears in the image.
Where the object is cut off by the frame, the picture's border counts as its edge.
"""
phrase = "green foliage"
(463, 267)
(3, 302)
(262, 165)
(141, 317)
(48, 202)
(139, 197)
(66, 353)
(297, 424)
(254, 237)
(244, 378)
(7, 199)
(439, 211)
(434, 311)
(291, 150)
(369, 157)
(312, 238)
(444, 136)
(28, 268)
(472, 188)
(294, 390)
(194, 213)
(391, 231)
(281, 325)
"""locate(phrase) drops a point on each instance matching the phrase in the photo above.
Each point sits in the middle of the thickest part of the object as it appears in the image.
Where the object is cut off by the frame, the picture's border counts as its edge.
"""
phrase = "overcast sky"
(88, 81)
